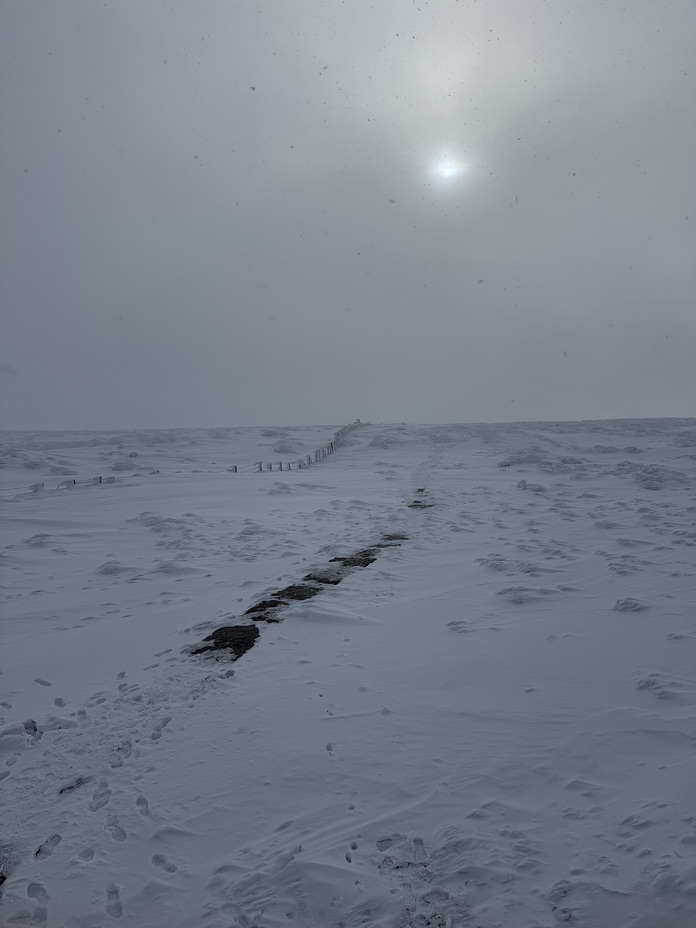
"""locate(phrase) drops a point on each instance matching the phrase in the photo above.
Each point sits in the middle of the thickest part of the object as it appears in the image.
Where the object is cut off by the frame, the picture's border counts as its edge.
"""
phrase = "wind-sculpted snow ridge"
(470, 699)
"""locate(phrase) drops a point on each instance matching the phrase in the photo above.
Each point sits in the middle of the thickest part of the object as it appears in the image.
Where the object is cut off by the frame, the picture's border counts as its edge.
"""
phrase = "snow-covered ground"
(492, 724)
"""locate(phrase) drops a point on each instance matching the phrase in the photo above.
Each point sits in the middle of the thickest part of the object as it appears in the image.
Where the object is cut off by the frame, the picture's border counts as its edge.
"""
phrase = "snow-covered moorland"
(489, 722)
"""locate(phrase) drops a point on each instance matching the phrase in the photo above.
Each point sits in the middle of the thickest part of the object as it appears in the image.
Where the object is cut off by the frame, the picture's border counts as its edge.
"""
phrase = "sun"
(446, 169)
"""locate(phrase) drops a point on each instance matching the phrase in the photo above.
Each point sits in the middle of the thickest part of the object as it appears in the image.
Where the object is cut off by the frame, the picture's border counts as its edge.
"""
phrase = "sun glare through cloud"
(447, 169)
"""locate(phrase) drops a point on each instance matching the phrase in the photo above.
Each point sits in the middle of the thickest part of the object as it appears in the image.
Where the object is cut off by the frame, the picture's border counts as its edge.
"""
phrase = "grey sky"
(297, 211)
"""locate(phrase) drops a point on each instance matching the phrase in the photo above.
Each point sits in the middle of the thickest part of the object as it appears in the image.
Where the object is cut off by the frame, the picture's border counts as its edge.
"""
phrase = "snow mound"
(652, 476)
(286, 446)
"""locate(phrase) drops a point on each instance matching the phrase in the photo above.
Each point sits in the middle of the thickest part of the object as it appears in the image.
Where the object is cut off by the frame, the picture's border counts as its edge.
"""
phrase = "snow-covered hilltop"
(488, 721)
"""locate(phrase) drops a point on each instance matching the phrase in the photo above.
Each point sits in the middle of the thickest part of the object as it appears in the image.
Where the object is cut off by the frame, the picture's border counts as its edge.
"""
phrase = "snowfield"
(492, 724)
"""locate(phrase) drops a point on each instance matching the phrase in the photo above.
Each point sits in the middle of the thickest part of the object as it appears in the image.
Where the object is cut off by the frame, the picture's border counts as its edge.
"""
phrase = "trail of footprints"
(98, 748)
(117, 729)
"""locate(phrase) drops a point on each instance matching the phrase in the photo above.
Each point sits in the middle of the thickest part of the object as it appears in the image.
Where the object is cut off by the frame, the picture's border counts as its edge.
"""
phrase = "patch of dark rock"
(265, 606)
(240, 638)
(75, 784)
(298, 592)
(271, 616)
(237, 638)
(330, 575)
(360, 559)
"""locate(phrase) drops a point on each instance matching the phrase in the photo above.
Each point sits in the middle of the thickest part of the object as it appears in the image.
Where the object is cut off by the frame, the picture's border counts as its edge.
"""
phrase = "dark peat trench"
(236, 640)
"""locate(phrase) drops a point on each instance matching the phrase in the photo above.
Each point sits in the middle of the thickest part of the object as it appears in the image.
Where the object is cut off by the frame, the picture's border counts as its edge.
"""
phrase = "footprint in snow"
(38, 892)
(160, 861)
(353, 847)
(101, 796)
(157, 731)
(143, 805)
(113, 902)
(120, 753)
(114, 829)
(48, 847)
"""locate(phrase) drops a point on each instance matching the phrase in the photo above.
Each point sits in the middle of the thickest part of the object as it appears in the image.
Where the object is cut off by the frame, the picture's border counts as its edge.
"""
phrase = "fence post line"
(320, 454)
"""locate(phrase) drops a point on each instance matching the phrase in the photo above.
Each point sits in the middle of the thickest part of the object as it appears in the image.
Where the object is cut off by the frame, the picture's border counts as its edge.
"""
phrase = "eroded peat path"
(234, 640)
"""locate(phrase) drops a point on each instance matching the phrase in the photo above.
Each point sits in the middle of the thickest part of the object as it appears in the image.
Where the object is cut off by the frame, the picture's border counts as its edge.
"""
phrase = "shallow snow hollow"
(488, 722)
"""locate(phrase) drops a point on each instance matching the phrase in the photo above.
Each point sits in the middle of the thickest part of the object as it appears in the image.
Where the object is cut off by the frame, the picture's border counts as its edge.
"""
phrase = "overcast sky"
(306, 211)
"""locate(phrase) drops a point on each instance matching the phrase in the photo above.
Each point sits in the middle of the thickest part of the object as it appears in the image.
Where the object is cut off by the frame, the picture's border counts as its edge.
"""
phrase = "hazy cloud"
(302, 212)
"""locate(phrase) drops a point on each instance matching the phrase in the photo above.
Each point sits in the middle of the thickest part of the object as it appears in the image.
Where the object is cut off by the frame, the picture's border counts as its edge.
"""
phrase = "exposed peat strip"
(420, 502)
(238, 639)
